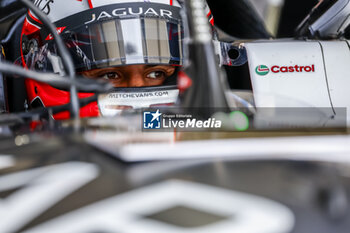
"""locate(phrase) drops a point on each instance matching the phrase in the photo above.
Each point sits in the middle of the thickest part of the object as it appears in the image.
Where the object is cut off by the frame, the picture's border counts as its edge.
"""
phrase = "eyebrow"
(96, 71)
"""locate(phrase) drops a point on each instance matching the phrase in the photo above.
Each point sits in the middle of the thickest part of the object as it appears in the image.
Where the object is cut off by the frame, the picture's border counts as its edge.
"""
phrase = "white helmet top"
(59, 9)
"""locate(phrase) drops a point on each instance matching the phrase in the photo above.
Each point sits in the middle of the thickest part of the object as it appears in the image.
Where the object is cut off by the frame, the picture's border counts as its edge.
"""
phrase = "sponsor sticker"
(262, 70)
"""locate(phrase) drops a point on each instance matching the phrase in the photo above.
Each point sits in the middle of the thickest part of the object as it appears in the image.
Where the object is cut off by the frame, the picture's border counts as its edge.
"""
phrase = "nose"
(136, 80)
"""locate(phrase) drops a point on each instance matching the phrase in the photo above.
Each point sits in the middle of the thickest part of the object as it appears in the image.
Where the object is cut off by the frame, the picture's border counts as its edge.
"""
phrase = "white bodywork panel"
(325, 87)
(288, 89)
(337, 60)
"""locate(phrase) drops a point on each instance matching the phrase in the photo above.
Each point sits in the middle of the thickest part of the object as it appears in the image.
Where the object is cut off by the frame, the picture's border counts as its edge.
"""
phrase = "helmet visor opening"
(121, 42)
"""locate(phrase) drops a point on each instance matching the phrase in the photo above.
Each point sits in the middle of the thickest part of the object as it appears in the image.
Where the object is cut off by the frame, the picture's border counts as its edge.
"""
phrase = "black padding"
(293, 12)
(238, 18)
(16, 90)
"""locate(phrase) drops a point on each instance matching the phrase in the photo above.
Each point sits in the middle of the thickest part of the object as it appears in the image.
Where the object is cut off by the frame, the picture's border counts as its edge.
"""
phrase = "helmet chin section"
(114, 103)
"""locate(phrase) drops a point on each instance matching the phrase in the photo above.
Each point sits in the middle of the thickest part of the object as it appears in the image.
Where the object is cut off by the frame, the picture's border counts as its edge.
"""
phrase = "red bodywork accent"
(212, 21)
(34, 125)
(183, 81)
(90, 4)
(211, 18)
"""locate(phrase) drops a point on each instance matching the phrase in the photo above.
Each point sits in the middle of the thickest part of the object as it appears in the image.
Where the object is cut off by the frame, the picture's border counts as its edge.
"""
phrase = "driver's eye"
(110, 76)
(156, 75)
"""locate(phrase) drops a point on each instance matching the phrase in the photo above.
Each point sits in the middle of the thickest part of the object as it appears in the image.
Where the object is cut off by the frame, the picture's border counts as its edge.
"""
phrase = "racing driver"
(135, 44)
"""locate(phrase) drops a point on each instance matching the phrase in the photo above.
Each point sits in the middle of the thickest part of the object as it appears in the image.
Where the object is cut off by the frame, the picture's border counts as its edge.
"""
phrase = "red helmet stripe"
(34, 18)
(21, 51)
(171, 2)
(29, 28)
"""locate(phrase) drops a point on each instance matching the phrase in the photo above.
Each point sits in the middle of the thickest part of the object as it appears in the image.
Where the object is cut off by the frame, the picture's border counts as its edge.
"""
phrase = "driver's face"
(133, 75)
